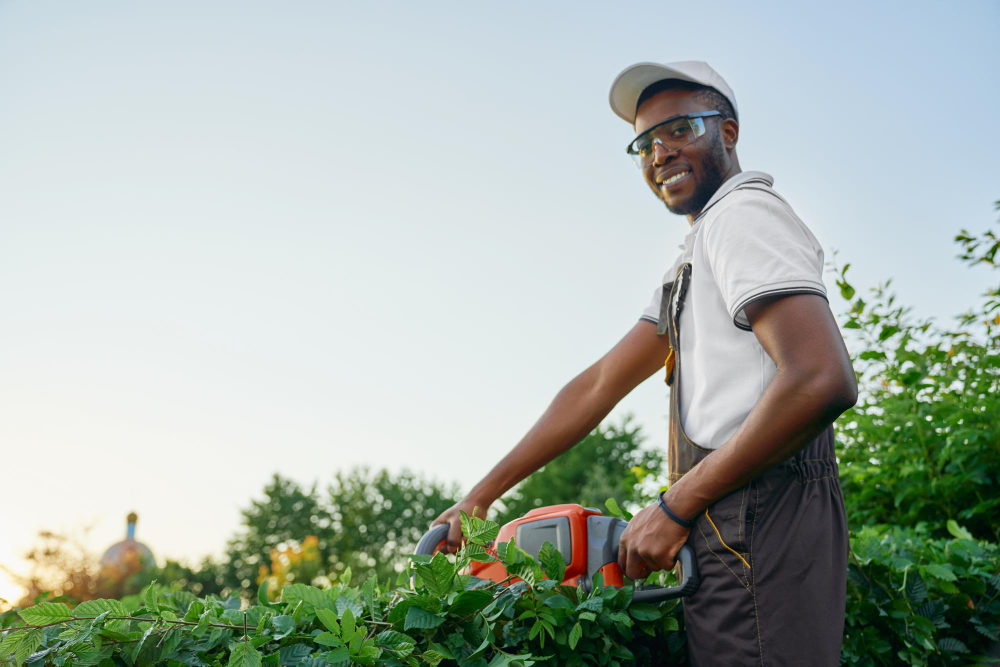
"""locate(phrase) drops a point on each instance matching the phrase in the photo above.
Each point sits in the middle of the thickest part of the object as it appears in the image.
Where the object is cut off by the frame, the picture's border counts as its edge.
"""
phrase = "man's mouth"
(674, 180)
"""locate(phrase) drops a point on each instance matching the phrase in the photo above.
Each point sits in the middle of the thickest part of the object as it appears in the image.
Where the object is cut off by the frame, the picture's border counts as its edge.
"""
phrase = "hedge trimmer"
(587, 541)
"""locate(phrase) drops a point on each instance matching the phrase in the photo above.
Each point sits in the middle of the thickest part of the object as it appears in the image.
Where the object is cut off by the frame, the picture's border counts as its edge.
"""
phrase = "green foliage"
(913, 600)
(366, 523)
(442, 617)
(923, 442)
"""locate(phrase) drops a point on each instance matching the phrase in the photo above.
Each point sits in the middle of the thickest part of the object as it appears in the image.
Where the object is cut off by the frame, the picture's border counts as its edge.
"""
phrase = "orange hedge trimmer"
(588, 542)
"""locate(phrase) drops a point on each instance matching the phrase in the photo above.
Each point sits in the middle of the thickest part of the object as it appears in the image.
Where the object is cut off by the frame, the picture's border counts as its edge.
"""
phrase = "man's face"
(703, 162)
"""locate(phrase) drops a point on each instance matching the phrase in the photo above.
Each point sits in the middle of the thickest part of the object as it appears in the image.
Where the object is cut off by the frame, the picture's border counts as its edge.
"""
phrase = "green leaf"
(420, 619)
(98, 607)
(552, 561)
(149, 597)
(432, 657)
(341, 654)
(244, 655)
(593, 604)
(559, 601)
(575, 634)
(347, 626)
(479, 554)
(958, 531)
(344, 603)
(329, 619)
(940, 571)
(953, 645)
(328, 639)
(644, 611)
(400, 644)
(283, 625)
(310, 595)
(479, 531)
(45, 613)
(916, 589)
(262, 593)
(468, 602)
(437, 576)
(345, 578)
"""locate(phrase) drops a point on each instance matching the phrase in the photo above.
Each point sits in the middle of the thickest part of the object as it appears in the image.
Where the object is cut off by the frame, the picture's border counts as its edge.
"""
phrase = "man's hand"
(650, 543)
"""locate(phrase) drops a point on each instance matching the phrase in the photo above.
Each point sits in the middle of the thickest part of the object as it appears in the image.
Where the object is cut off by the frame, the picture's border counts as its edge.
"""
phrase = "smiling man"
(742, 309)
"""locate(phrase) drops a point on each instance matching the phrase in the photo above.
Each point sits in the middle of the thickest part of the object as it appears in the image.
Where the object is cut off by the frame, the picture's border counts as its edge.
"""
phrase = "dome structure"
(126, 558)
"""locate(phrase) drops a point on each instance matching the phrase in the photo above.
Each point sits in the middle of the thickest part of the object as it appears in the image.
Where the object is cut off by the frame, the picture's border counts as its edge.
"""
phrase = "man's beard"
(712, 176)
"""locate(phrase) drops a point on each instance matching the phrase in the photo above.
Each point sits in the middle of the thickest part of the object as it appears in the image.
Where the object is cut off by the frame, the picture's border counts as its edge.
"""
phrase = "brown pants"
(773, 568)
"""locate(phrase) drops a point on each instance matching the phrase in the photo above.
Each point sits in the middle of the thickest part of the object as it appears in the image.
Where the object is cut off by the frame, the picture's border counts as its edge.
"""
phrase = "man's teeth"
(675, 178)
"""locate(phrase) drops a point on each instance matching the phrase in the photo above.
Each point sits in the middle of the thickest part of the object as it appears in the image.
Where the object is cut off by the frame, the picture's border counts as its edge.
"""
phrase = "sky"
(240, 238)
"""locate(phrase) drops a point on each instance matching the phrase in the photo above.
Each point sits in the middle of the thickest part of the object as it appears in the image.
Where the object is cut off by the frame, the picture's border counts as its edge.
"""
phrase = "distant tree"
(609, 463)
(285, 516)
(60, 565)
(379, 517)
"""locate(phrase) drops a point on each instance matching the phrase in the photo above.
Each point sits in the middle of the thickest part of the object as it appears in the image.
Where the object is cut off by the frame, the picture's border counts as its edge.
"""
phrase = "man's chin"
(685, 207)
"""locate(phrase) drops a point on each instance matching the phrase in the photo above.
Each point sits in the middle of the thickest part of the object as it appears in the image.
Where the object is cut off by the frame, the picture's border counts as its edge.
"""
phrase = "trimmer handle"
(689, 581)
(432, 540)
(604, 533)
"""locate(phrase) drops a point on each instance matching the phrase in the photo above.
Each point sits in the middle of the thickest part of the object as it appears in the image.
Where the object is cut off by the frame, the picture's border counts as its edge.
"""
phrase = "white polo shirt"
(745, 245)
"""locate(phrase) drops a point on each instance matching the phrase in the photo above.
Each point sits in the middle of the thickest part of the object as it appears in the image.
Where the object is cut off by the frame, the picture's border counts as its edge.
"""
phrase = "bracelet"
(687, 523)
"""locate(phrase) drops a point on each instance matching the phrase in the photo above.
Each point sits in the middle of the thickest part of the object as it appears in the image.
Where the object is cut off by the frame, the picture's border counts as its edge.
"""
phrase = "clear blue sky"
(246, 237)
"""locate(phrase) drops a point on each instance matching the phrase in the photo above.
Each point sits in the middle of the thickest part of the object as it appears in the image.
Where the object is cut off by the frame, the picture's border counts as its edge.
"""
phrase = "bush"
(440, 618)
(923, 442)
(913, 600)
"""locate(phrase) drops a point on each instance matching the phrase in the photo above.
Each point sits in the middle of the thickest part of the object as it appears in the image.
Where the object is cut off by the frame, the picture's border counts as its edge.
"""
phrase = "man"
(753, 478)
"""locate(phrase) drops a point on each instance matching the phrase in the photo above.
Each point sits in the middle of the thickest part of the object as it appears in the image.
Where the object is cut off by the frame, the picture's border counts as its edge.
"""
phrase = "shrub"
(439, 618)
(913, 600)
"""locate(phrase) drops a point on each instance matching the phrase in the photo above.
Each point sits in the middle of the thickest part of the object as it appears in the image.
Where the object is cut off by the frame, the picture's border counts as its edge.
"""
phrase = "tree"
(379, 517)
(286, 516)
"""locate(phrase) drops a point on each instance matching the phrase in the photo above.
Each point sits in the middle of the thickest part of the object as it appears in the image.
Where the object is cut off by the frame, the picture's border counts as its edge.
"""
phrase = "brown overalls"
(772, 554)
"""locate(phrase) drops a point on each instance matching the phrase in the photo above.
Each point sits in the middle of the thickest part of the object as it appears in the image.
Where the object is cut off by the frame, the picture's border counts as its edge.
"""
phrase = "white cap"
(628, 85)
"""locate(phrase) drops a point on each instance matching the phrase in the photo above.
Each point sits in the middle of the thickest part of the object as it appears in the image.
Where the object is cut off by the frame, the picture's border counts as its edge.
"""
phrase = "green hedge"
(910, 601)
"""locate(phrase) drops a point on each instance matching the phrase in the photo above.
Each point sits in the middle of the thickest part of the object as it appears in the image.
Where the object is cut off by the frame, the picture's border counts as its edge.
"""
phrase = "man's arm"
(575, 411)
(813, 385)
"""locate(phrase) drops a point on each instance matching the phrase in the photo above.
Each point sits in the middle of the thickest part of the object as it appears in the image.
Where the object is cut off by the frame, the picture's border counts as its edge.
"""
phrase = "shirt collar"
(736, 181)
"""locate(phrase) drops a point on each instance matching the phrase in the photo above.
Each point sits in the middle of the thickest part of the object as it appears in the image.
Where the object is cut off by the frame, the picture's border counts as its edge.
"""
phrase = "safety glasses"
(673, 134)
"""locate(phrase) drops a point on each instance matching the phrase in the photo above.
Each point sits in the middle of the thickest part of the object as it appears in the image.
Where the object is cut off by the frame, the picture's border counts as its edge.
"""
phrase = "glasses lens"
(672, 136)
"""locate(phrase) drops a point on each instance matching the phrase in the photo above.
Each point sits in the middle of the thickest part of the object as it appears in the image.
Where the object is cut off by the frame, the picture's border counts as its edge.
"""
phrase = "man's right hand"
(452, 517)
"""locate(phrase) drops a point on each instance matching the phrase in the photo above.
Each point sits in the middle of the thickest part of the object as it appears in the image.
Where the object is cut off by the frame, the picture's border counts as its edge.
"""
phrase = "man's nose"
(660, 152)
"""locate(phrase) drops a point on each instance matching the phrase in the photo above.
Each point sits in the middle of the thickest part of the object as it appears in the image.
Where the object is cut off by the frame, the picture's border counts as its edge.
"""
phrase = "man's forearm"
(794, 408)
(575, 411)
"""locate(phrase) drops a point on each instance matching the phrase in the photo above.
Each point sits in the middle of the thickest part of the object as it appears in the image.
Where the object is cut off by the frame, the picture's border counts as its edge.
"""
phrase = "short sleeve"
(758, 248)
(652, 311)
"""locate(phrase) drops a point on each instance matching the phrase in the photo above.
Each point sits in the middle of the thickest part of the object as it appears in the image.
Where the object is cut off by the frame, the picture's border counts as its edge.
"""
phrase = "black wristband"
(687, 523)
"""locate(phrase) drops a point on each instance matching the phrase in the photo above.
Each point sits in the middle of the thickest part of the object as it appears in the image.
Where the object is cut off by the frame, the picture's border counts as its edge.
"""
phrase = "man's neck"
(733, 170)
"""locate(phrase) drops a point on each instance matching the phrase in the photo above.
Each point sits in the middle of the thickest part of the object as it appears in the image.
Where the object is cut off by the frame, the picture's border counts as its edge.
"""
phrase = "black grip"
(688, 585)
(432, 538)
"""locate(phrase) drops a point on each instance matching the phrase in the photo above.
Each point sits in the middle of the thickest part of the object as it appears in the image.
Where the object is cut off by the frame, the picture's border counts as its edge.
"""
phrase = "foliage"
(286, 514)
(923, 442)
(378, 517)
(913, 600)
(433, 614)
(608, 462)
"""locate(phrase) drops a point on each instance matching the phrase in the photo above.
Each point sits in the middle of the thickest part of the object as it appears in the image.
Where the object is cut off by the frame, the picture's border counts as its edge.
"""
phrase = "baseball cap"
(628, 85)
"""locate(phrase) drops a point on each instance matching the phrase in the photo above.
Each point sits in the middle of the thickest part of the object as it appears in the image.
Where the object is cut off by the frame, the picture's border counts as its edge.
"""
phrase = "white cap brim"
(628, 85)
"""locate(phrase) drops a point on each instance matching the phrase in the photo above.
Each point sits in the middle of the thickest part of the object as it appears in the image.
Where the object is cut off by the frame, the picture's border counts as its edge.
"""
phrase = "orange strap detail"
(669, 365)
(723, 543)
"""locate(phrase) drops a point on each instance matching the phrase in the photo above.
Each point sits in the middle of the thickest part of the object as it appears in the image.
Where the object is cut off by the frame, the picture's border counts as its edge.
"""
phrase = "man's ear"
(730, 130)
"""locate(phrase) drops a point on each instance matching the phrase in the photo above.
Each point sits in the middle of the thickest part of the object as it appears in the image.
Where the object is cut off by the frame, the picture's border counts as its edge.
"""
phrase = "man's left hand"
(650, 543)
